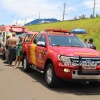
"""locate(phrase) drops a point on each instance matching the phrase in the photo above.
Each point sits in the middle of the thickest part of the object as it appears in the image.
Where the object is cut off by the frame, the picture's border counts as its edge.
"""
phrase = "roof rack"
(57, 30)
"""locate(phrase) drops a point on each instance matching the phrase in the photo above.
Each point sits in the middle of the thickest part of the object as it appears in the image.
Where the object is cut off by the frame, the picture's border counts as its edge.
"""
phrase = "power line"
(60, 7)
(50, 10)
(80, 10)
(73, 3)
(64, 6)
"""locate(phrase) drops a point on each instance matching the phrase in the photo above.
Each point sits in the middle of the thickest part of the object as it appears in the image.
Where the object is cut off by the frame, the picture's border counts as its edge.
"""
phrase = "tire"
(51, 79)
(26, 64)
(94, 84)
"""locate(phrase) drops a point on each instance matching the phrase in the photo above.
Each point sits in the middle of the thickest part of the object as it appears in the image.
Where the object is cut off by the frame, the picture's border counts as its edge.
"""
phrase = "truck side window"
(37, 38)
(28, 38)
(43, 38)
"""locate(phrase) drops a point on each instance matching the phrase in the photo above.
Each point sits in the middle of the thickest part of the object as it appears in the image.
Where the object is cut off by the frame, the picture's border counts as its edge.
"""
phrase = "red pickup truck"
(60, 55)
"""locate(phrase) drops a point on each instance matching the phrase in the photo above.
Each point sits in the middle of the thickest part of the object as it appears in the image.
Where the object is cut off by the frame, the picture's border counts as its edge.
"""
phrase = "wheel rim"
(49, 75)
(25, 63)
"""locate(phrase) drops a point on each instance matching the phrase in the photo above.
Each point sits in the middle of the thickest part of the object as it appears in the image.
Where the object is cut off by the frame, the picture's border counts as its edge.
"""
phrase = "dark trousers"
(10, 48)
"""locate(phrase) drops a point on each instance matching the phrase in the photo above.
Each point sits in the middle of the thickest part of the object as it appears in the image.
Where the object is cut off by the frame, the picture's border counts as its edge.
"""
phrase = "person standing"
(90, 44)
(12, 41)
(6, 49)
(18, 52)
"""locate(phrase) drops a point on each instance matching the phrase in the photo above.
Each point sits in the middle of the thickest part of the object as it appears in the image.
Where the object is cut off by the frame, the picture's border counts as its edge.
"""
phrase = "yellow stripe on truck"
(32, 53)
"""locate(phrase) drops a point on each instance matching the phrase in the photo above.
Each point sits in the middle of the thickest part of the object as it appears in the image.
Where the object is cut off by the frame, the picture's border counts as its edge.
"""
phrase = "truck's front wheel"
(26, 64)
(95, 84)
(50, 77)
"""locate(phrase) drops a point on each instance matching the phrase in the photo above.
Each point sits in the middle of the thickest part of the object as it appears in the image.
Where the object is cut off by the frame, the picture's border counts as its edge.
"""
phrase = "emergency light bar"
(18, 29)
(57, 30)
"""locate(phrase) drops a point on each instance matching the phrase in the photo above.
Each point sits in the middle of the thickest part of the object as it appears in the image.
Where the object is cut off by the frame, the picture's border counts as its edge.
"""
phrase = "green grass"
(92, 26)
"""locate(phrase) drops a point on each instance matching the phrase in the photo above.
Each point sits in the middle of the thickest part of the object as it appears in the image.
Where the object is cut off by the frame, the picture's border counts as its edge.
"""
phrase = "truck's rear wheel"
(26, 64)
(50, 77)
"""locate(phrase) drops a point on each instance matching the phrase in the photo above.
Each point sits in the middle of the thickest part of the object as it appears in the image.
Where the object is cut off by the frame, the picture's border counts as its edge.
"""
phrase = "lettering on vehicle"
(81, 53)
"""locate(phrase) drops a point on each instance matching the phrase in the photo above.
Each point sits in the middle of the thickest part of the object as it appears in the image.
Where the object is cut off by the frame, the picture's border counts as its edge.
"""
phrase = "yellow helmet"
(8, 35)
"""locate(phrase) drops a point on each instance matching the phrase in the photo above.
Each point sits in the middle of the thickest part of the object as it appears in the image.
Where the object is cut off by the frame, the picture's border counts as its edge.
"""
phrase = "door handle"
(45, 51)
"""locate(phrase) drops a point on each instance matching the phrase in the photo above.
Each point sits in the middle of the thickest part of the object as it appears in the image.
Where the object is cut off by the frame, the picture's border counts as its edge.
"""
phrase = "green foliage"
(91, 25)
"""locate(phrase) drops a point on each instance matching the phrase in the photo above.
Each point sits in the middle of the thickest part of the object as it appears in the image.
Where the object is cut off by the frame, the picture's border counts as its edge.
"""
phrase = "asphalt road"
(18, 85)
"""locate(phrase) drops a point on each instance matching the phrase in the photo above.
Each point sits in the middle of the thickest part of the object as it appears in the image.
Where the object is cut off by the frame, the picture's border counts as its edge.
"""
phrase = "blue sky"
(23, 11)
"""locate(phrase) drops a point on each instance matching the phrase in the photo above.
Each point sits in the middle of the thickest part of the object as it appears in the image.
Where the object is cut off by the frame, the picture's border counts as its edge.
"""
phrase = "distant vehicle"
(61, 55)
(19, 30)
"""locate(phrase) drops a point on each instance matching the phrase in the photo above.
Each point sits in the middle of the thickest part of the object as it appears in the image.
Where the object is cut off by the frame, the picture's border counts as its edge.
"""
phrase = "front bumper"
(86, 75)
(80, 68)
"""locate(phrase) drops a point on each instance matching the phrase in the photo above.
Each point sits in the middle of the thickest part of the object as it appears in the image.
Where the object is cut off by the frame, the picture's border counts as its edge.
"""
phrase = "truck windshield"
(20, 34)
(62, 40)
(10, 33)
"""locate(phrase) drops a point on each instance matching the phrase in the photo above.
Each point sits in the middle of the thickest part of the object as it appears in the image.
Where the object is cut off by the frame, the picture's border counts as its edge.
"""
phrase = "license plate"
(89, 67)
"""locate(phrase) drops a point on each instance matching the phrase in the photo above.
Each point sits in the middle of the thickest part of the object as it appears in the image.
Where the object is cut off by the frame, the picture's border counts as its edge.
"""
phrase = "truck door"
(26, 45)
(33, 49)
(41, 52)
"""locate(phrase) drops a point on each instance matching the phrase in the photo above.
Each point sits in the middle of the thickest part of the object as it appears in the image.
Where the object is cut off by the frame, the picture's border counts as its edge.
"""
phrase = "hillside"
(92, 26)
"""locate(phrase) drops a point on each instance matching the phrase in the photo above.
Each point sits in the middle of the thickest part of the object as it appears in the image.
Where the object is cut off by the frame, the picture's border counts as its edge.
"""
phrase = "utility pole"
(16, 22)
(25, 21)
(39, 17)
(64, 11)
(94, 8)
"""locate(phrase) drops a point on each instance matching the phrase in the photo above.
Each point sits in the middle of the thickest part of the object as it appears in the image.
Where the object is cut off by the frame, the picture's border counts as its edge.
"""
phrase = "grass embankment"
(92, 26)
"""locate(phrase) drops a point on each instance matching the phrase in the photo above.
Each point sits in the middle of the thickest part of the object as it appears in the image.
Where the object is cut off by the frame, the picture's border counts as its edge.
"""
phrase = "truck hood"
(76, 51)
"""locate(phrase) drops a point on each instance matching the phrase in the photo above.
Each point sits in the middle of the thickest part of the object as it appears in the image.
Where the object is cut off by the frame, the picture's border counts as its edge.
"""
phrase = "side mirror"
(41, 43)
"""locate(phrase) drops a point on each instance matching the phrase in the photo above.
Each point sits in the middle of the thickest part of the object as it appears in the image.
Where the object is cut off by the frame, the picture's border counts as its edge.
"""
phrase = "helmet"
(8, 35)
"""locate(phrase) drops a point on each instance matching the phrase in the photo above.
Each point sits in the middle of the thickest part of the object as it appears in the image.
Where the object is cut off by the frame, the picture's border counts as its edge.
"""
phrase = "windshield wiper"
(56, 45)
(67, 45)
(76, 46)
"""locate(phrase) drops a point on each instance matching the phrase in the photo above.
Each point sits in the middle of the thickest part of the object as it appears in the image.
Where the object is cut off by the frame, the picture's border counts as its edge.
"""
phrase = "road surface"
(18, 85)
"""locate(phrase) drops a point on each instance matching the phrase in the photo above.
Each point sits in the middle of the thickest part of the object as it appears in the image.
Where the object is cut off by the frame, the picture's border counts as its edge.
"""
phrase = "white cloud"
(27, 7)
(90, 4)
(70, 9)
(31, 8)
(21, 22)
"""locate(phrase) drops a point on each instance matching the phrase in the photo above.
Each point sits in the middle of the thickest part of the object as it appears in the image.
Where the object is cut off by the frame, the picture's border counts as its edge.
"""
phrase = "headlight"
(64, 59)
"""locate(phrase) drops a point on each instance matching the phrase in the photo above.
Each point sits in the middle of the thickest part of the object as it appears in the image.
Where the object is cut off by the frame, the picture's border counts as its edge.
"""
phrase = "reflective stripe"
(32, 53)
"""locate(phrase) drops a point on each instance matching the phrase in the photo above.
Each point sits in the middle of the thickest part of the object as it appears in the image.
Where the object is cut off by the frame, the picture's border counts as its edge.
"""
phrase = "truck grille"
(89, 65)
(79, 60)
